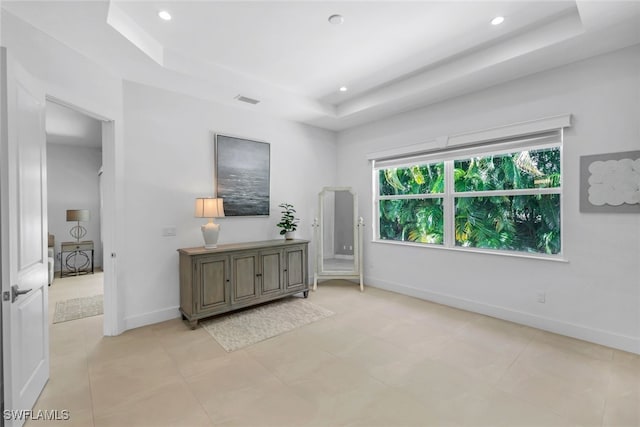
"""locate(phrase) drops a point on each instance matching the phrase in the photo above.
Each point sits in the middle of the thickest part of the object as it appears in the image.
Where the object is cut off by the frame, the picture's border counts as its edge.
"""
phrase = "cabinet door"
(212, 278)
(245, 276)
(271, 267)
(295, 274)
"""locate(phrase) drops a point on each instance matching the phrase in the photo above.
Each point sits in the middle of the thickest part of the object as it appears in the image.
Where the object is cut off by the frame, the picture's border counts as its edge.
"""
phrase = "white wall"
(169, 162)
(73, 183)
(596, 294)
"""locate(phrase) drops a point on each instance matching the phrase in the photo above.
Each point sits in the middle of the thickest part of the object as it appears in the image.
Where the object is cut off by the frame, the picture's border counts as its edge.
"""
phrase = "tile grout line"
(515, 359)
(182, 376)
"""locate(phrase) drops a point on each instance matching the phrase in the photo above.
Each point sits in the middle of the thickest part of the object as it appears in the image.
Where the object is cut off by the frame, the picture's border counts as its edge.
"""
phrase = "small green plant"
(288, 222)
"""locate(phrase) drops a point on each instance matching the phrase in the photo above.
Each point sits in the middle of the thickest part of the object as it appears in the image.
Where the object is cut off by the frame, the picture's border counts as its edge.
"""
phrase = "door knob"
(16, 292)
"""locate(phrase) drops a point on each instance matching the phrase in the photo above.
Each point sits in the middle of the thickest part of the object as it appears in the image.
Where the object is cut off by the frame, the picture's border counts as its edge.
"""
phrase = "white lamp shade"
(78, 215)
(209, 207)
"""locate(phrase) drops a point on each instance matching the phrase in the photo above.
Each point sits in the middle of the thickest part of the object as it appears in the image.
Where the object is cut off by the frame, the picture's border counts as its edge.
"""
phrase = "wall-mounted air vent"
(247, 100)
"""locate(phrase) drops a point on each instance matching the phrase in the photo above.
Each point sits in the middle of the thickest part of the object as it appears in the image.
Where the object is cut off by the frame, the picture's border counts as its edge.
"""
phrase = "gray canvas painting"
(242, 175)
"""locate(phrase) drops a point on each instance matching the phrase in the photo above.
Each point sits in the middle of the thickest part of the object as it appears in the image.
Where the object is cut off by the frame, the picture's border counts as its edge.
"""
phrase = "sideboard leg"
(306, 294)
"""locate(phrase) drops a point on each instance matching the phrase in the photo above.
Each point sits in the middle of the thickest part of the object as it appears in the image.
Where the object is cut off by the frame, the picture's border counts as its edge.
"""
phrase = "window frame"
(449, 195)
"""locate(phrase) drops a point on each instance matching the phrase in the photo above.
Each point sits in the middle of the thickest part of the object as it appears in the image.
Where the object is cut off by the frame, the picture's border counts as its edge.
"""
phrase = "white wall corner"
(120, 21)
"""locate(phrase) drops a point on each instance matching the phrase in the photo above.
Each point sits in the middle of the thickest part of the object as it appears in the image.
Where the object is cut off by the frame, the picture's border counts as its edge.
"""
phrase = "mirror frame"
(357, 224)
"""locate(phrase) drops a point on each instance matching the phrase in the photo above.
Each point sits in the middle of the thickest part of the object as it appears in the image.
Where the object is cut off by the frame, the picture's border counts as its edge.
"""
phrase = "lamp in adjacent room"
(78, 215)
(209, 207)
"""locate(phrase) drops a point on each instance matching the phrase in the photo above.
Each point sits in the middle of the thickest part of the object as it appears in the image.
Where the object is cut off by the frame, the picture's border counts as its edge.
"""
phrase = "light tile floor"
(382, 360)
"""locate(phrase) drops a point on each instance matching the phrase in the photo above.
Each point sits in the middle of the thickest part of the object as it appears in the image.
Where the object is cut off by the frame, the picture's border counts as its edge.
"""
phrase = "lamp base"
(210, 233)
(78, 232)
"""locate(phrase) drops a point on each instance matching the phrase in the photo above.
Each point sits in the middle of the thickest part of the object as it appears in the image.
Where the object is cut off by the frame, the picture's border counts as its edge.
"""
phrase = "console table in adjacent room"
(76, 258)
(232, 276)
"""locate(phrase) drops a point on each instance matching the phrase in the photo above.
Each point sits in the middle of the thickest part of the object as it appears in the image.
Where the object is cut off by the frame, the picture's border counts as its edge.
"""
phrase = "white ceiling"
(393, 56)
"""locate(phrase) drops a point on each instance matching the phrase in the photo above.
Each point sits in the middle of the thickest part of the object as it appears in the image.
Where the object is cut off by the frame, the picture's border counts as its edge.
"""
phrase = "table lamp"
(78, 231)
(209, 207)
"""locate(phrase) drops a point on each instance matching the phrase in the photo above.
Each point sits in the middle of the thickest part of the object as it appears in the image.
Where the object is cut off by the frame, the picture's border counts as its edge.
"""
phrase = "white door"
(23, 224)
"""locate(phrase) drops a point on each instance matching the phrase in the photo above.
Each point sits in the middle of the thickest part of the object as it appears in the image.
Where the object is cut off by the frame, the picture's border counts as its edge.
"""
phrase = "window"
(503, 196)
(411, 203)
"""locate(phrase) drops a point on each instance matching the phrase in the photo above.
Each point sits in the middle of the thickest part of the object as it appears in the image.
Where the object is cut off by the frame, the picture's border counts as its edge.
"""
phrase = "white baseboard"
(597, 336)
(151, 318)
(338, 256)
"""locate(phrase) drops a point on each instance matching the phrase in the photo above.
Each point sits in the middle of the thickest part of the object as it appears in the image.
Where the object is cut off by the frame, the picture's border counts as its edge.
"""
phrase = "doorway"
(80, 170)
(74, 204)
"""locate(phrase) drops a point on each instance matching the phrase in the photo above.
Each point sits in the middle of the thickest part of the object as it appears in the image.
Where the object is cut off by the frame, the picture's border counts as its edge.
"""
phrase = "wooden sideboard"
(232, 276)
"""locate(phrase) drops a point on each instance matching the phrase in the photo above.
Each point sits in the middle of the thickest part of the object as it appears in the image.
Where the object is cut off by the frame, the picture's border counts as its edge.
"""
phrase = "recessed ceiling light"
(343, 89)
(336, 19)
(497, 20)
(164, 15)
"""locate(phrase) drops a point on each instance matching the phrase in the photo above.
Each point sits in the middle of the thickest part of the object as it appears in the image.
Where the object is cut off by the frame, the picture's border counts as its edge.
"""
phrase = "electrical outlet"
(169, 231)
(541, 297)
(350, 248)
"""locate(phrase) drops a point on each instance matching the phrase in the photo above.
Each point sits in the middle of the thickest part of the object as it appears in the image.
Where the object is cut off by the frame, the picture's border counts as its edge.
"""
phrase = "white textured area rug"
(237, 330)
(77, 308)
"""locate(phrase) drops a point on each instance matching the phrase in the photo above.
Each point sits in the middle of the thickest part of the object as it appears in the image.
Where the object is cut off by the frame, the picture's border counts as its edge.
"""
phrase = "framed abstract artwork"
(610, 182)
(242, 175)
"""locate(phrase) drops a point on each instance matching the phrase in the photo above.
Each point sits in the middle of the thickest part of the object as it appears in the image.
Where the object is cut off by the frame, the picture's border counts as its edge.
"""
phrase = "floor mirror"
(338, 236)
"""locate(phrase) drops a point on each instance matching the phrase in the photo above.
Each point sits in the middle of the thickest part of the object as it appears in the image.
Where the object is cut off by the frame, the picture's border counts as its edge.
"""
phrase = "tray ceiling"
(392, 56)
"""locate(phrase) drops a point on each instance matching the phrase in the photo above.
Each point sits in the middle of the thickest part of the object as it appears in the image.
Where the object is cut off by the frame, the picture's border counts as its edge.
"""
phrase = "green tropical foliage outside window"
(516, 223)
(513, 171)
(415, 220)
(516, 205)
(412, 219)
(419, 179)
